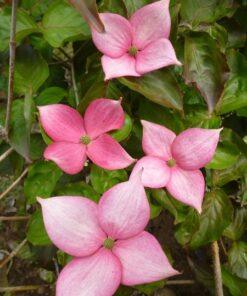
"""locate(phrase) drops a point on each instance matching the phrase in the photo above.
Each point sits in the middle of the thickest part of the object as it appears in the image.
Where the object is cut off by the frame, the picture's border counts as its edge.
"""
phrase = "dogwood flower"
(107, 240)
(75, 138)
(136, 46)
(174, 161)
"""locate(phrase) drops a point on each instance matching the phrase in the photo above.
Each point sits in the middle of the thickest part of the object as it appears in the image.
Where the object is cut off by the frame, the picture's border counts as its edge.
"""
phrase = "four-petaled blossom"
(174, 161)
(107, 240)
(136, 46)
(75, 138)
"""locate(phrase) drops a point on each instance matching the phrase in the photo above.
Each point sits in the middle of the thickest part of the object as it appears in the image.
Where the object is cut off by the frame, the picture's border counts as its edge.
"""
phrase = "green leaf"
(125, 131)
(204, 65)
(102, 180)
(200, 11)
(149, 289)
(19, 135)
(31, 70)
(78, 189)
(36, 233)
(41, 180)
(225, 156)
(216, 216)
(235, 91)
(50, 95)
(235, 285)
(25, 25)
(236, 229)
(37, 146)
(237, 259)
(222, 177)
(134, 5)
(62, 23)
(176, 208)
(47, 275)
(88, 9)
(159, 86)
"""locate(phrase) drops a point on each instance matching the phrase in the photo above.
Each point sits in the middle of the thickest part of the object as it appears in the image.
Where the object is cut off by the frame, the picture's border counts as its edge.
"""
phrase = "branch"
(16, 182)
(74, 83)
(13, 253)
(217, 269)
(14, 218)
(6, 154)
(21, 288)
(12, 47)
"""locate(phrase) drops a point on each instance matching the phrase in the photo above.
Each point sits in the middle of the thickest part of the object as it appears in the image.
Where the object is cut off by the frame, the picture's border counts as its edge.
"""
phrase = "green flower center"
(171, 162)
(133, 51)
(109, 243)
(85, 140)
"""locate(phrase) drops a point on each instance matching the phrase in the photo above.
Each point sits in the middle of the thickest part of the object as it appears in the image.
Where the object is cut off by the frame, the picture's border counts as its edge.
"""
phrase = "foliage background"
(57, 62)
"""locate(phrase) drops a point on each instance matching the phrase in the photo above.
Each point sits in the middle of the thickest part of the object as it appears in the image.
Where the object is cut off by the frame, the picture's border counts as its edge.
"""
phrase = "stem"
(20, 288)
(14, 218)
(16, 182)
(12, 47)
(13, 253)
(180, 282)
(217, 269)
(74, 83)
(6, 154)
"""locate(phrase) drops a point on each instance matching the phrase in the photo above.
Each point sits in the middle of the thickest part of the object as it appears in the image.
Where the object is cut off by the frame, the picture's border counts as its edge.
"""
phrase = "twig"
(21, 288)
(13, 253)
(6, 154)
(217, 269)
(12, 47)
(180, 282)
(14, 218)
(16, 182)
(74, 82)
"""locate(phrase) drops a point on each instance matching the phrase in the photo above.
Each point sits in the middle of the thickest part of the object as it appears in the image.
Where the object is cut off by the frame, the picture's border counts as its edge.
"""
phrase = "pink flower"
(75, 139)
(108, 241)
(174, 161)
(136, 46)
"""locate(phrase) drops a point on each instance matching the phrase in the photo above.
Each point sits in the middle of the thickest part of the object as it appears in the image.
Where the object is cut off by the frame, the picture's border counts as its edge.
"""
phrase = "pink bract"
(107, 240)
(174, 161)
(75, 138)
(136, 46)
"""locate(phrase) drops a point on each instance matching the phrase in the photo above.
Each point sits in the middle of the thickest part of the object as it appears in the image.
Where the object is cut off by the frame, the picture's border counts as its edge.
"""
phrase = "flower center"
(85, 140)
(132, 51)
(108, 243)
(171, 162)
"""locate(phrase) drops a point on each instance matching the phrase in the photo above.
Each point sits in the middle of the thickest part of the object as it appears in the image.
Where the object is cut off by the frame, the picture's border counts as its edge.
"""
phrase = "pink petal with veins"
(72, 224)
(95, 275)
(143, 260)
(103, 115)
(195, 147)
(69, 157)
(124, 209)
(62, 123)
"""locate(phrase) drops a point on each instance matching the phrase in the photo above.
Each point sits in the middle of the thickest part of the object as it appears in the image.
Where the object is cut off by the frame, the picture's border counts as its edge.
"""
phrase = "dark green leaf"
(216, 216)
(149, 289)
(62, 23)
(19, 135)
(125, 131)
(134, 5)
(24, 26)
(88, 9)
(36, 233)
(200, 11)
(225, 156)
(238, 226)
(237, 259)
(50, 95)
(235, 285)
(102, 180)
(78, 189)
(41, 180)
(204, 65)
(159, 86)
